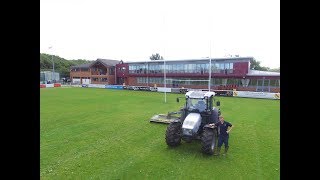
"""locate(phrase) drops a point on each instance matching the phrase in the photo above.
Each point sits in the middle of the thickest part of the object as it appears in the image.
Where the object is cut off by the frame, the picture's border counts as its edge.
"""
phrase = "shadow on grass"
(190, 149)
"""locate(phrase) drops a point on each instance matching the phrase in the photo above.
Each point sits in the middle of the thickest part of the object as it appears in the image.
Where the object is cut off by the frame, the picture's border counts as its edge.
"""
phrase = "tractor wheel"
(209, 140)
(173, 134)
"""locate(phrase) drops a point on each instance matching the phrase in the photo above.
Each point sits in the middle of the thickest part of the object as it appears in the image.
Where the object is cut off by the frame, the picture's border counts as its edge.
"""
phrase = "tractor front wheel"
(173, 134)
(209, 140)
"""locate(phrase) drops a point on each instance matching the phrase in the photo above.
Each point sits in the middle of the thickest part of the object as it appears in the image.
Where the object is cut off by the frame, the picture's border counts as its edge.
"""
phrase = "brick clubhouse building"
(226, 73)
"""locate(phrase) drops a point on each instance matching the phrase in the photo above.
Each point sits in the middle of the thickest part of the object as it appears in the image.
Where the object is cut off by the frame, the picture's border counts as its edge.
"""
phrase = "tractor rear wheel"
(173, 134)
(209, 140)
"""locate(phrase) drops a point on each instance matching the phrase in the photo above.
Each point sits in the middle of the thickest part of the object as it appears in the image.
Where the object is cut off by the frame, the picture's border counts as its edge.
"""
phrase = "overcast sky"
(176, 29)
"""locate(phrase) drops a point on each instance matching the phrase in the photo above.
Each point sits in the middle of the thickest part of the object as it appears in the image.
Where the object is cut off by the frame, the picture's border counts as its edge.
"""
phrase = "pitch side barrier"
(102, 86)
(250, 94)
(176, 90)
(227, 93)
(50, 85)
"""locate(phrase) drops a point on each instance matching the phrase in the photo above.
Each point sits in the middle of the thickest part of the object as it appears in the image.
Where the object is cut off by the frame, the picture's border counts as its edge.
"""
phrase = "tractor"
(194, 122)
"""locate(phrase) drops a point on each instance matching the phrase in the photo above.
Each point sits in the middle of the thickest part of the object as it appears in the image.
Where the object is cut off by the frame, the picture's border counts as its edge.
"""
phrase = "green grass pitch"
(88, 133)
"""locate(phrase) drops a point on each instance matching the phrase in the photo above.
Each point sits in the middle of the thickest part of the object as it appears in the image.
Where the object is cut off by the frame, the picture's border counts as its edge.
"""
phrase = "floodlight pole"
(209, 84)
(53, 78)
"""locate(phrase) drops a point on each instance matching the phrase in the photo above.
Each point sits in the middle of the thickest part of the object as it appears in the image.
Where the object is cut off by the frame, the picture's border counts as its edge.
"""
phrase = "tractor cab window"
(199, 104)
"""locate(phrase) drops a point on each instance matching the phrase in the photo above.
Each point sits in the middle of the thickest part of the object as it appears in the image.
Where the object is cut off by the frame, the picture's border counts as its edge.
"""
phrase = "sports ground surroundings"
(90, 133)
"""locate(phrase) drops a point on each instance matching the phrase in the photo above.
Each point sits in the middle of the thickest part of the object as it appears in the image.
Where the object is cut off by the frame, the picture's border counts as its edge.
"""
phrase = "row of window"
(180, 68)
(214, 81)
(96, 71)
(81, 77)
(100, 79)
(180, 81)
(264, 82)
(93, 79)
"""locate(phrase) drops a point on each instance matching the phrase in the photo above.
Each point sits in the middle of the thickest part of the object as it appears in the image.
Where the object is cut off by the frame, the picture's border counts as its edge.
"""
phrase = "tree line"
(255, 65)
(61, 65)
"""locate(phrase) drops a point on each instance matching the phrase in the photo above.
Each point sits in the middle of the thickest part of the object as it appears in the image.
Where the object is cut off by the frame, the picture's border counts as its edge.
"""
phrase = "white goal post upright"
(164, 61)
(165, 81)
(210, 37)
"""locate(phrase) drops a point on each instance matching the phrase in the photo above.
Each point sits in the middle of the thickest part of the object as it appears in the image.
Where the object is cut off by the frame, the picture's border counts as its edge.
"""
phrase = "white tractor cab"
(197, 113)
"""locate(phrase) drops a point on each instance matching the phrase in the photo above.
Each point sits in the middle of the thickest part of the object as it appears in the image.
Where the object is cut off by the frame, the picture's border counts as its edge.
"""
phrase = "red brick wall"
(83, 74)
(111, 79)
(275, 90)
(240, 88)
(80, 74)
(240, 68)
(120, 73)
(98, 82)
(132, 81)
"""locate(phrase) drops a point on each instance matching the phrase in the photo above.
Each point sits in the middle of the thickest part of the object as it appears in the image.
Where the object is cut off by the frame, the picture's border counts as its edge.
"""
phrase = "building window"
(273, 82)
(217, 81)
(230, 81)
(221, 65)
(181, 67)
(111, 71)
(142, 80)
(215, 68)
(253, 82)
(137, 69)
(226, 66)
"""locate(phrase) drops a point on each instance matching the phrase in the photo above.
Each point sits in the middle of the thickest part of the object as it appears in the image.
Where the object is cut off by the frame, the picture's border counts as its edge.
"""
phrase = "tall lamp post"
(53, 79)
(209, 83)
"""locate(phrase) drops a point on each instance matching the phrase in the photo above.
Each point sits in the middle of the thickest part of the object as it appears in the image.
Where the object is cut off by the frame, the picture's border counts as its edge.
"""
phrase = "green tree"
(255, 65)
(61, 65)
(156, 57)
(275, 69)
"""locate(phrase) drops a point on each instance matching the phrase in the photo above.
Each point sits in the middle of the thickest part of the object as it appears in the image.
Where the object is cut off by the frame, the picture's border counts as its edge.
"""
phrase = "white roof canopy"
(262, 73)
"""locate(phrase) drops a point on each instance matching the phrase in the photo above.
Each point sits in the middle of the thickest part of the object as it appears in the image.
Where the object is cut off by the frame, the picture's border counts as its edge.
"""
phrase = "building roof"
(105, 62)
(262, 73)
(198, 59)
(82, 65)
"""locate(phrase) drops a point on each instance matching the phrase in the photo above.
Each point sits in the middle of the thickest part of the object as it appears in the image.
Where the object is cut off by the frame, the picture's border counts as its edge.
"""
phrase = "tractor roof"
(199, 94)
